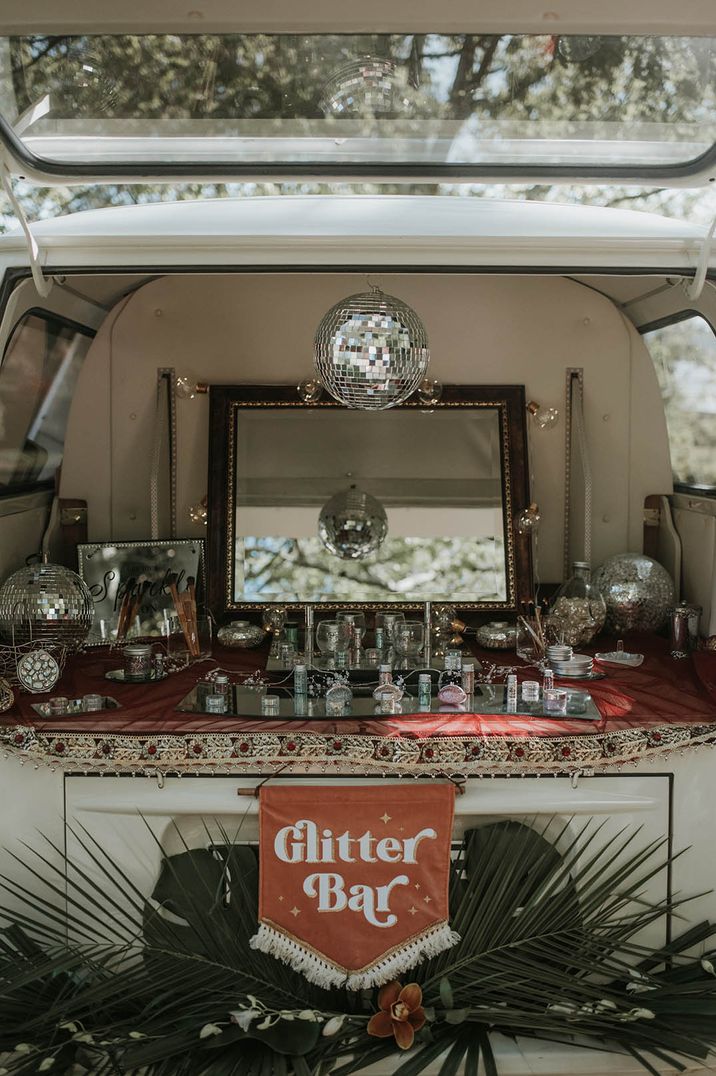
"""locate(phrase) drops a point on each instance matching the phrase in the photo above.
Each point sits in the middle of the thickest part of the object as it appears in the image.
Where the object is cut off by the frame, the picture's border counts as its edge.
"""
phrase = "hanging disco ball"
(371, 351)
(45, 603)
(352, 524)
(367, 85)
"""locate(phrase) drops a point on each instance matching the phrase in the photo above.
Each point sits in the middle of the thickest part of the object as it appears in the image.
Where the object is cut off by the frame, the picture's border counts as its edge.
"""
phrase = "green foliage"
(551, 947)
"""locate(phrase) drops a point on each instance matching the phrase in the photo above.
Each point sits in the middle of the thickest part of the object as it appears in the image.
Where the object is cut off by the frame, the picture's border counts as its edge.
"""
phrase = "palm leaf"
(550, 940)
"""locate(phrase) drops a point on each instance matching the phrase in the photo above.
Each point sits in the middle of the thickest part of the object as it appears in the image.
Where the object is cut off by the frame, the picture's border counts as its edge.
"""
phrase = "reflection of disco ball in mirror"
(47, 603)
(370, 85)
(638, 592)
(352, 524)
(81, 84)
(371, 351)
(576, 48)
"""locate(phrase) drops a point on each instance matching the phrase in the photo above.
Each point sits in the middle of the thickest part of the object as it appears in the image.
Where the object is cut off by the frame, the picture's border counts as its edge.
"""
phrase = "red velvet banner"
(354, 881)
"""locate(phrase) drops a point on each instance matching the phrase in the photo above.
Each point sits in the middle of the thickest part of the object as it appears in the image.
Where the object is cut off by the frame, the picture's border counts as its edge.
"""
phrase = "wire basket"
(10, 654)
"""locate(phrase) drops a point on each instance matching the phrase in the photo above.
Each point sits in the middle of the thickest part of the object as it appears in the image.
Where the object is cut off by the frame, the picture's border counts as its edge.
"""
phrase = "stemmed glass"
(332, 635)
(409, 639)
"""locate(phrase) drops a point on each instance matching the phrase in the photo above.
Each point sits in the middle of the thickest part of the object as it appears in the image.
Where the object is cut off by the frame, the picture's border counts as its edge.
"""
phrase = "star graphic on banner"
(385, 818)
(413, 910)
(295, 911)
(427, 899)
(417, 885)
(280, 898)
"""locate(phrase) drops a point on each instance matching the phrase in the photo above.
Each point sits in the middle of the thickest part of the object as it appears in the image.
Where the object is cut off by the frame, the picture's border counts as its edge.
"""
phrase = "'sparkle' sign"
(354, 881)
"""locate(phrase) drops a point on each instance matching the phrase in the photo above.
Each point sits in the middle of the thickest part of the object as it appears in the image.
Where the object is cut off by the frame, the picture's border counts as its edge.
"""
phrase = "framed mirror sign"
(316, 503)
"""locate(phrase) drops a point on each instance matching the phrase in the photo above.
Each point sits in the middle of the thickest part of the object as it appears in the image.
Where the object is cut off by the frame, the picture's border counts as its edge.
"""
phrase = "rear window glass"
(38, 375)
(455, 100)
(684, 355)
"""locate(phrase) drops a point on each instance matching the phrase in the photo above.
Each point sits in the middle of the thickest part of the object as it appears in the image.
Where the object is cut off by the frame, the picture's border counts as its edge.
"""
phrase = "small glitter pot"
(137, 662)
(58, 705)
(269, 705)
(92, 703)
(554, 701)
(530, 691)
(215, 704)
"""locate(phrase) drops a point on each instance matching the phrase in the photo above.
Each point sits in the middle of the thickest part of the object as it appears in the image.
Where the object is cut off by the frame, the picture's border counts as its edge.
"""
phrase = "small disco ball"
(367, 85)
(371, 351)
(45, 603)
(352, 524)
(638, 592)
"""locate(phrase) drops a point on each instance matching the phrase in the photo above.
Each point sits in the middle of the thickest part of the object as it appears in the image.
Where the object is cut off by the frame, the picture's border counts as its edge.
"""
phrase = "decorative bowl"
(240, 635)
(497, 635)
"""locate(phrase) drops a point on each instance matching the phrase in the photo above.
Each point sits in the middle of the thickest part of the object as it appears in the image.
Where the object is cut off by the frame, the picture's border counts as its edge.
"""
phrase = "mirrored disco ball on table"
(45, 603)
(352, 524)
(371, 351)
(637, 590)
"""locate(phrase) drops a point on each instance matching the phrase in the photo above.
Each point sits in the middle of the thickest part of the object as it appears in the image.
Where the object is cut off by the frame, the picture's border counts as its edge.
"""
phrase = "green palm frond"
(553, 945)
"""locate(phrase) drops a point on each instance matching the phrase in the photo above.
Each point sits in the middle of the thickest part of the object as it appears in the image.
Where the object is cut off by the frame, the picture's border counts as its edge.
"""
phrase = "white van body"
(231, 290)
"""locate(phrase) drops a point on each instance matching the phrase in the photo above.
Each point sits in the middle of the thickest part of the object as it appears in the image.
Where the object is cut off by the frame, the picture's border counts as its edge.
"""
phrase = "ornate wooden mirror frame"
(226, 404)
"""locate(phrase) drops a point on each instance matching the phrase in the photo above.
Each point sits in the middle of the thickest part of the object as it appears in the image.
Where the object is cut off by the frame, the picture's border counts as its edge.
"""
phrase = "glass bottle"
(578, 610)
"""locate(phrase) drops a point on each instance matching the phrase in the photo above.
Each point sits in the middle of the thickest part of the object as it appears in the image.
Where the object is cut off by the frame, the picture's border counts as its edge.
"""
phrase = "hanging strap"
(43, 284)
(694, 289)
(164, 432)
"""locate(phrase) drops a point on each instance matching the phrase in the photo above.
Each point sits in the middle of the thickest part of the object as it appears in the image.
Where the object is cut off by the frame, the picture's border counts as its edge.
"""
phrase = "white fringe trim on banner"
(323, 973)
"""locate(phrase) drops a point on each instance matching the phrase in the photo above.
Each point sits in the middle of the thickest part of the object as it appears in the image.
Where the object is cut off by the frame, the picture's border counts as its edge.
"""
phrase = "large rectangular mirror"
(432, 495)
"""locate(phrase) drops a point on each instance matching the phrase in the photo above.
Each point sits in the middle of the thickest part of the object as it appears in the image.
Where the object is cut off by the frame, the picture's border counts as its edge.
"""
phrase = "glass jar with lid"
(578, 610)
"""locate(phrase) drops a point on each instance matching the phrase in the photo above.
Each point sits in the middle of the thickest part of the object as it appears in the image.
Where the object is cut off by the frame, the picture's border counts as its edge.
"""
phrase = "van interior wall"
(243, 328)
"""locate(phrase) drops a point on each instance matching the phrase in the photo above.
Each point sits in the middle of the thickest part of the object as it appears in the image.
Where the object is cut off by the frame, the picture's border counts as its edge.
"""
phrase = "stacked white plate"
(578, 666)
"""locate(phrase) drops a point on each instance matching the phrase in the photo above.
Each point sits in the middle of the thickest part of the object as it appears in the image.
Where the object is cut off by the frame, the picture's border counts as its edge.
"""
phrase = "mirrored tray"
(488, 700)
(74, 708)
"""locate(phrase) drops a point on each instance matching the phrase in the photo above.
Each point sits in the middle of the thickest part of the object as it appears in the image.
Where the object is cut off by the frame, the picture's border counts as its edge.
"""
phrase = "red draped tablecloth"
(664, 701)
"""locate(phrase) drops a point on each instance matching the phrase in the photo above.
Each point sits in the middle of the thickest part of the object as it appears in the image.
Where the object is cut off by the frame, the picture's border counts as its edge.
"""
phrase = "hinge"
(696, 286)
(43, 284)
(652, 517)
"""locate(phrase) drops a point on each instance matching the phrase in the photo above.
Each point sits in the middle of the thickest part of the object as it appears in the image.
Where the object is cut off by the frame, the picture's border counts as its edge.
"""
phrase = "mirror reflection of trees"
(403, 569)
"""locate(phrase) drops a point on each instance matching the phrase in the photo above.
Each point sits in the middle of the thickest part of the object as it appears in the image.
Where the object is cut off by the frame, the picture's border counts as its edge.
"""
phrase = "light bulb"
(528, 520)
(547, 417)
(429, 392)
(310, 390)
(198, 513)
(185, 388)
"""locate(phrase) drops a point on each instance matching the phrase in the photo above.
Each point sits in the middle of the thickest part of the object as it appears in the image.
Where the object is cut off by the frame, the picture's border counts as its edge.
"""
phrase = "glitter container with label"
(58, 705)
(137, 662)
(215, 704)
(92, 703)
(425, 691)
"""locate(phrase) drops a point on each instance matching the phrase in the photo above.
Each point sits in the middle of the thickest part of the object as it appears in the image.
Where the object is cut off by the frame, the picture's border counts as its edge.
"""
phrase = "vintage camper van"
(357, 540)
